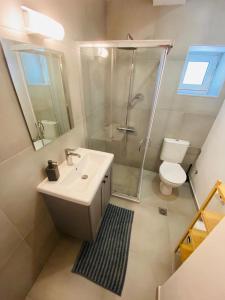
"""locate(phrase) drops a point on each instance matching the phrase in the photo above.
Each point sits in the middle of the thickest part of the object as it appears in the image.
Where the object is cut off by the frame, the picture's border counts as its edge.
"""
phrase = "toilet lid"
(172, 172)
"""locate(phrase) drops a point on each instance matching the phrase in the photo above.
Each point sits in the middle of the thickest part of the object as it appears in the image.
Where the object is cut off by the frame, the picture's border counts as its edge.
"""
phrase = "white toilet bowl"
(172, 175)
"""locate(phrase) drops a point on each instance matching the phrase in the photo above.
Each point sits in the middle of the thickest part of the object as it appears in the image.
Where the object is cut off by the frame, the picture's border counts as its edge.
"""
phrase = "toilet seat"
(173, 173)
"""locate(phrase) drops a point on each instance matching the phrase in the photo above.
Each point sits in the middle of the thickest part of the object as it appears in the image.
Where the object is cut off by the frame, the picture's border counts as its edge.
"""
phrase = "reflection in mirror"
(37, 75)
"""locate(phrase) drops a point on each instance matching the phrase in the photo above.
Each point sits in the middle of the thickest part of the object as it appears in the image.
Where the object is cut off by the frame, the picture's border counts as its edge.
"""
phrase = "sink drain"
(84, 176)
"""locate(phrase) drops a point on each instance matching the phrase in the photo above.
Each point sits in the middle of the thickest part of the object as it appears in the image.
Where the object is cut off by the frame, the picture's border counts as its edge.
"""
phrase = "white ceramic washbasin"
(80, 182)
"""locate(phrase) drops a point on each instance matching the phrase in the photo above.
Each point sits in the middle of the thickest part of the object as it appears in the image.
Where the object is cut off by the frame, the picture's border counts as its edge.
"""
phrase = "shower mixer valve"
(127, 129)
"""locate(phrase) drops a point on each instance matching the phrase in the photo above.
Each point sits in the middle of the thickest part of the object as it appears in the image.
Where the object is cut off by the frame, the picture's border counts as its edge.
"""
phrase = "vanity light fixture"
(37, 23)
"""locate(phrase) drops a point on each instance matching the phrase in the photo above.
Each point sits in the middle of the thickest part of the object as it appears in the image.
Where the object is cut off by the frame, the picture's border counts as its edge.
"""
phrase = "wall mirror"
(38, 78)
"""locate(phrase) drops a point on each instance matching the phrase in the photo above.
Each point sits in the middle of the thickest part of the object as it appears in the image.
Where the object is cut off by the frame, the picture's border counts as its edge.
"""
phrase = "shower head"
(129, 37)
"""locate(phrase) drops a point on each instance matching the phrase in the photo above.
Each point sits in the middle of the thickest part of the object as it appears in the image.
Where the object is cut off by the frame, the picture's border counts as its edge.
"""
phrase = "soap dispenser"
(52, 171)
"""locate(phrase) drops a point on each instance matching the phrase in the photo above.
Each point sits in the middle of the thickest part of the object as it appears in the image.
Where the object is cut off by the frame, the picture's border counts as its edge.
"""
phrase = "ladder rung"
(211, 219)
(197, 236)
(221, 191)
(200, 225)
(185, 251)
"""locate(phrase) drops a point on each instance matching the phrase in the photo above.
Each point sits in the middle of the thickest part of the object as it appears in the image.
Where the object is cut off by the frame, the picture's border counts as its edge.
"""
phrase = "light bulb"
(37, 23)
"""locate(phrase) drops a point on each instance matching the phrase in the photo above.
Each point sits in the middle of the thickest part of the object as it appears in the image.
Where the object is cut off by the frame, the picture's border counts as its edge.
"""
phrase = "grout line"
(14, 155)
(14, 250)
(22, 238)
(13, 225)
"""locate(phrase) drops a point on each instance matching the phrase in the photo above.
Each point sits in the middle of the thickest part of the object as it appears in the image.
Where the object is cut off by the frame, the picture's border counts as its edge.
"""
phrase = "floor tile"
(9, 239)
(177, 224)
(56, 281)
(125, 179)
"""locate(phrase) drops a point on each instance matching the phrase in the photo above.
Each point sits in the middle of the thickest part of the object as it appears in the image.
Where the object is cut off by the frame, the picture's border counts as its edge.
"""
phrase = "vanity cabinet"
(77, 220)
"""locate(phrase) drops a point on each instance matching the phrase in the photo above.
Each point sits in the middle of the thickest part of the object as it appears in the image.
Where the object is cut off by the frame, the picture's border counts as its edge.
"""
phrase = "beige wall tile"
(170, 83)
(48, 247)
(195, 128)
(19, 198)
(121, 19)
(185, 24)
(39, 236)
(18, 274)
(9, 239)
(159, 126)
(22, 173)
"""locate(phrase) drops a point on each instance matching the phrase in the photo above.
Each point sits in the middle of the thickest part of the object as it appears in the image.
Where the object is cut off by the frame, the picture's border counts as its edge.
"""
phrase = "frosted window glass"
(195, 72)
(35, 68)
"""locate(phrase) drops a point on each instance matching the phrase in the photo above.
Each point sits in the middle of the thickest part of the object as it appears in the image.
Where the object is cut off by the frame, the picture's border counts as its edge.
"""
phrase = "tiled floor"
(150, 262)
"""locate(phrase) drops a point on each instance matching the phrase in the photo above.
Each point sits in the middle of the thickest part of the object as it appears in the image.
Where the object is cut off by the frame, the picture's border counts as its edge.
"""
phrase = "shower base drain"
(163, 211)
(84, 176)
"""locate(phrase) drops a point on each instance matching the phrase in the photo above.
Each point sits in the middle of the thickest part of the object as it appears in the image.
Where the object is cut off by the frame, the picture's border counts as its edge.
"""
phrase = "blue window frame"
(35, 68)
(203, 73)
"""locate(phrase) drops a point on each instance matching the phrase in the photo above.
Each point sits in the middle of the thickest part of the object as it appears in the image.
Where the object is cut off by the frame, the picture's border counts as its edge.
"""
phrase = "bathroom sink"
(84, 171)
(79, 182)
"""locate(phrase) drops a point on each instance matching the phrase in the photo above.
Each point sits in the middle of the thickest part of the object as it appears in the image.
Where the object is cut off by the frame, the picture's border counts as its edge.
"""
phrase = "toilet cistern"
(69, 153)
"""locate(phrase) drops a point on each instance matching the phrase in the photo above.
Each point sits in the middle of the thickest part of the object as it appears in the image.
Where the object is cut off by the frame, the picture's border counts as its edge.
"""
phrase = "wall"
(27, 232)
(201, 277)
(137, 18)
(177, 116)
(210, 164)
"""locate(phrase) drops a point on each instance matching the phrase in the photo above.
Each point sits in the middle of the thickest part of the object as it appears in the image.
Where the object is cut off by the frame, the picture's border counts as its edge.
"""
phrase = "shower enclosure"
(121, 81)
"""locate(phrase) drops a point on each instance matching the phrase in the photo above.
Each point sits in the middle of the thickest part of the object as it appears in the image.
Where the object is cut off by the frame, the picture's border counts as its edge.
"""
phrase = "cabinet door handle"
(103, 181)
(106, 176)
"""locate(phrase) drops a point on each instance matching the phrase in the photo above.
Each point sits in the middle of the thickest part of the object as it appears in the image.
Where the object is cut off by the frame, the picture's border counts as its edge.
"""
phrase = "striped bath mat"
(104, 261)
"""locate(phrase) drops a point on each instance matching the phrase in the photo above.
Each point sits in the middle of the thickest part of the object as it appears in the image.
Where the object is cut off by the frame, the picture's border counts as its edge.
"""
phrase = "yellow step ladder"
(193, 236)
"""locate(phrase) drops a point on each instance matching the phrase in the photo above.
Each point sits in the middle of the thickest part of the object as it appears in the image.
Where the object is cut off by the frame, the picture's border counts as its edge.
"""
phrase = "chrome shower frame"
(166, 45)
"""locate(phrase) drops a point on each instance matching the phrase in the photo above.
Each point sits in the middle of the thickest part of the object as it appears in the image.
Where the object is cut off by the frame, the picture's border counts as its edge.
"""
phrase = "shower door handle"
(127, 129)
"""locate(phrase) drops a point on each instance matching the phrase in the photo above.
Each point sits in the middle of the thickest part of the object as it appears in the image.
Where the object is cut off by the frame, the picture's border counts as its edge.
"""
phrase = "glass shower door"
(118, 93)
(133, 79)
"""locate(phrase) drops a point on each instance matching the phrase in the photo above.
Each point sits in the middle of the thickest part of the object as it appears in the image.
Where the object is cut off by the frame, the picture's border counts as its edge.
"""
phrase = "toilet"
(50, 129)
(171, 173)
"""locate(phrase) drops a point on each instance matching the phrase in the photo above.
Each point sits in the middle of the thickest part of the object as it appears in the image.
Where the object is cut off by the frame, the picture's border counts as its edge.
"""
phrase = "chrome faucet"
(69, 153)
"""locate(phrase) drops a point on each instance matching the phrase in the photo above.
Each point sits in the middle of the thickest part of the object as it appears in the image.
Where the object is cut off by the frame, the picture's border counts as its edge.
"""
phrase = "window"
(35, 68)
(195, 72)
(203, 72)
